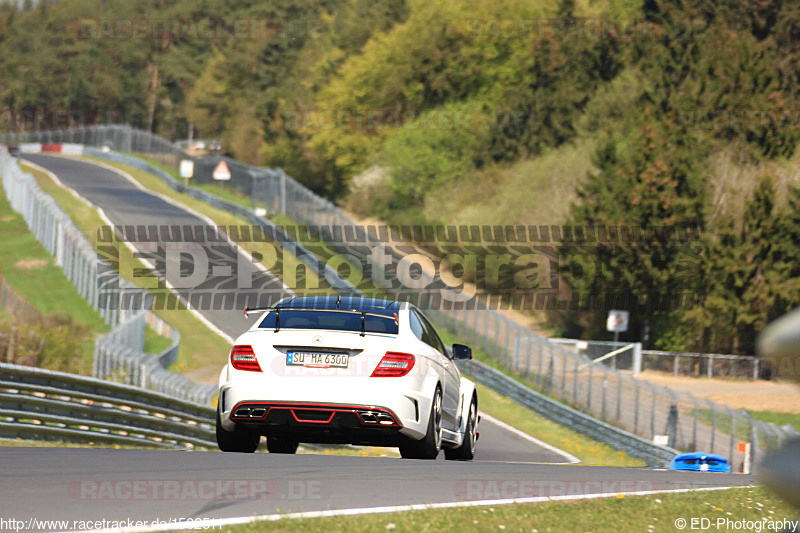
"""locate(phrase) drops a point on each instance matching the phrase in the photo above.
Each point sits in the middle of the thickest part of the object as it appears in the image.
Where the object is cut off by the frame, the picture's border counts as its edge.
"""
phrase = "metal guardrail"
(49, 405)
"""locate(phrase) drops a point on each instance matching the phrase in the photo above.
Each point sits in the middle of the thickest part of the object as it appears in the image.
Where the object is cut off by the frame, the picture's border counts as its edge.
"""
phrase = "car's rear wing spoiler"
(278, 309)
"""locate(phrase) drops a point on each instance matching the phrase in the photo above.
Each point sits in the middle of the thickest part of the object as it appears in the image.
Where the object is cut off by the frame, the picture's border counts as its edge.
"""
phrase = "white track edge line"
(218, 523)
(566, 455)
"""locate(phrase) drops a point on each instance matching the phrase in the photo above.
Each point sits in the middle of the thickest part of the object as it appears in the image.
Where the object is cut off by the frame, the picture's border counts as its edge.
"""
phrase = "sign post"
(186, 170)
(617, 321)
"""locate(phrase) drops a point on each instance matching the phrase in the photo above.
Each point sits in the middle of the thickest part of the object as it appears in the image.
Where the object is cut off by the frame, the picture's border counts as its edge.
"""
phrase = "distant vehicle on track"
(700, 462)
(346, 370)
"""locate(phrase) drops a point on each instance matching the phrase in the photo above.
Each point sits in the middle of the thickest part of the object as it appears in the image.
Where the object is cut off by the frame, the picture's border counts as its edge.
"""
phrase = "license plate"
(317, 360)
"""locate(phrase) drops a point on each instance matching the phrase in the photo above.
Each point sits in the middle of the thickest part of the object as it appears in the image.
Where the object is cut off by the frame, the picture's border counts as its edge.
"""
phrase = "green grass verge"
(199, 345)
(743, 428)
(780, 419)
(155, 343)
(629, 513)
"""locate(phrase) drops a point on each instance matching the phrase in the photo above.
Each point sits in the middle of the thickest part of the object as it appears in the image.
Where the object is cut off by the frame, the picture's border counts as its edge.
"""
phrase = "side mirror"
(461, 351)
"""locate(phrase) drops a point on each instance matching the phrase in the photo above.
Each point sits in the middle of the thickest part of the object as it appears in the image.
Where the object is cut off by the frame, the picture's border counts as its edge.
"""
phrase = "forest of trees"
(667, 112)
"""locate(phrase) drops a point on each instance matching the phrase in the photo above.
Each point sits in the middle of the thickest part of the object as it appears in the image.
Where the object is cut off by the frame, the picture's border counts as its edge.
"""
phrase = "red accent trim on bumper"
(334, 409)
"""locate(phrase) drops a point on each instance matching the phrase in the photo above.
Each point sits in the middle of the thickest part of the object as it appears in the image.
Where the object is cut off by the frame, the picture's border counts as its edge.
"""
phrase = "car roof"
(350, 303)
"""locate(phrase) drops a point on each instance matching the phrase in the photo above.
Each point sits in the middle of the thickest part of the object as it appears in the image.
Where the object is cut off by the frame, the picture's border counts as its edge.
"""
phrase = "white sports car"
(350, 371)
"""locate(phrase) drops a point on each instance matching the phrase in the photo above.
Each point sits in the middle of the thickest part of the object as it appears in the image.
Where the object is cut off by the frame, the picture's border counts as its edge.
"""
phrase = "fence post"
(672, 425)
(637, 358)
(575, 383)
(733, 434)
(750, 458)
(713, 424)
(283, 190)
(528, 356)
(694, 422)
(653, 415)
(636, 408)
(605, 389)
(589, 395)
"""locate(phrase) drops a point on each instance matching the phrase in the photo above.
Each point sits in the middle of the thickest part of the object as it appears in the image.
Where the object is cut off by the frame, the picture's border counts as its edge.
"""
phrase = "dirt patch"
(760, 402)
(778, 397)
(7, 218)
(30, 264)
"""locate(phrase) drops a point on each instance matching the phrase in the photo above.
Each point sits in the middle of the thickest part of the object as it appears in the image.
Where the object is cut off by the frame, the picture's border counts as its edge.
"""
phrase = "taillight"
(394, 365)
(244, 358)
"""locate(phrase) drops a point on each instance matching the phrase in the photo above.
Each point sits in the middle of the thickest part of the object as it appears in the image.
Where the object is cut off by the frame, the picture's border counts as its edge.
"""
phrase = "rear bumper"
(340, 406)
(320, 422)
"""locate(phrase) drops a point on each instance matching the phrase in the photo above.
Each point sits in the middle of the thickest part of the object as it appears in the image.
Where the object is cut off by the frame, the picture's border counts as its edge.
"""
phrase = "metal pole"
(636, 408)
(589, 395)
(713, 424)
(605, 389)
(653, 416)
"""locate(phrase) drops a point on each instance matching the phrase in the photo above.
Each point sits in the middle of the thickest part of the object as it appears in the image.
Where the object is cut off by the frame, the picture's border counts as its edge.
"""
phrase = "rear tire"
(466, 452)
(239, 440)
(430, 445)
(278, 445)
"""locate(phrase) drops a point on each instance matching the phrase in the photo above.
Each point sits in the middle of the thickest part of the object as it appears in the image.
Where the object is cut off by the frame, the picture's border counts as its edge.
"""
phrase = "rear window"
(330, 320)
